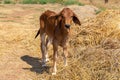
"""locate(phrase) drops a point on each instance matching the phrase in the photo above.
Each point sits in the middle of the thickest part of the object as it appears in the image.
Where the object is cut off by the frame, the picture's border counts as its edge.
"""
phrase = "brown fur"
(57, 29)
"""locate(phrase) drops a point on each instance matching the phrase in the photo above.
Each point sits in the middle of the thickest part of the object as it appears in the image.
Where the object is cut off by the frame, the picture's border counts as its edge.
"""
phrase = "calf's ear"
(76, 20)
(57, 18)
(54, 18)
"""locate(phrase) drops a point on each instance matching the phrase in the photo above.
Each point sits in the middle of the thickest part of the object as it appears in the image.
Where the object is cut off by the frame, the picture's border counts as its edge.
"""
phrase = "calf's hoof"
(54, 73)
(66, 65)
(47, 60)
(43, 65)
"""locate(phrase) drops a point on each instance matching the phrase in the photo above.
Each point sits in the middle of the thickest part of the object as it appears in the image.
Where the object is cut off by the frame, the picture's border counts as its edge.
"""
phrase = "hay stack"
(95, 31)
(97, 48)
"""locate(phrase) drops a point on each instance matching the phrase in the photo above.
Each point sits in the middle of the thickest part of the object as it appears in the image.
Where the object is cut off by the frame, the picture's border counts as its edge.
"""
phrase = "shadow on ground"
(36, 64)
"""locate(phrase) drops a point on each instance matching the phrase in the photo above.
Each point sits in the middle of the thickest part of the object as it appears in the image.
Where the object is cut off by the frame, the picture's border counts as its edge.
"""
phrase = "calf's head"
(66, 17)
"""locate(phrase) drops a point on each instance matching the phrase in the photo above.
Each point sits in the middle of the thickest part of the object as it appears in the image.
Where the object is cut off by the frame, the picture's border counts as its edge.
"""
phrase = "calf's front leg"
(55, 48)
(65, 52)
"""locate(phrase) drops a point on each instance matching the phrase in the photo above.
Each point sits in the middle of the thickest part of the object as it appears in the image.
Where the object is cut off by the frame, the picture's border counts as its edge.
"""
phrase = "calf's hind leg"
(43, 49)
(48, 41)
(47, 44)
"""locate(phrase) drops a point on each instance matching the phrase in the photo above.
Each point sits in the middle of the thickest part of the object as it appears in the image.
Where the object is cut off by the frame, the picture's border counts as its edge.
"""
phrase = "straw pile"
(95, 31)
(97, 48)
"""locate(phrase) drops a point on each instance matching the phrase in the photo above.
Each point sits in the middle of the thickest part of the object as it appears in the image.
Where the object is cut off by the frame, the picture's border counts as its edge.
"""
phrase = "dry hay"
(95, 31)
(97, 48)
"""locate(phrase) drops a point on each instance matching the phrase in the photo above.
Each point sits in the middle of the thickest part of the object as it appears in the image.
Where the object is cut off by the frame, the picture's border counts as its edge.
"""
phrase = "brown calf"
(57, 29)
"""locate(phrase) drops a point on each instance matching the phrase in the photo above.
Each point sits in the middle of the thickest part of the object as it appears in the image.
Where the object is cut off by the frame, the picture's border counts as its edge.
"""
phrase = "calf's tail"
(37, 33)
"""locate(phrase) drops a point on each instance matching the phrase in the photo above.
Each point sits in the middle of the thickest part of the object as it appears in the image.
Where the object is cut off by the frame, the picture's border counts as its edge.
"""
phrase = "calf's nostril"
(67, 26)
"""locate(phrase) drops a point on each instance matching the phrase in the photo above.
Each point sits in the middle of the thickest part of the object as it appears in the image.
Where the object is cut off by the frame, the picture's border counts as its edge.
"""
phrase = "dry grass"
(101, 57)
(96, 30)
(94, 46)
